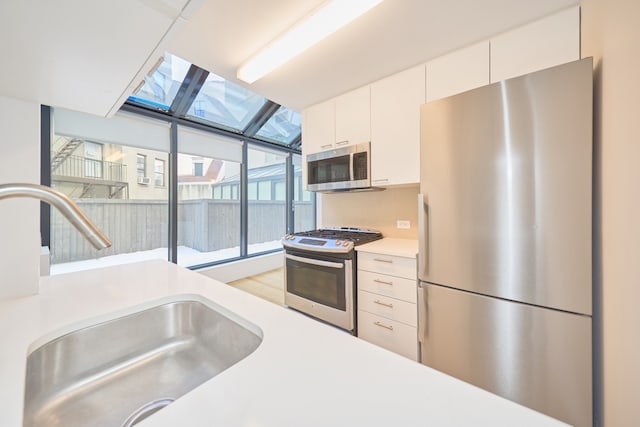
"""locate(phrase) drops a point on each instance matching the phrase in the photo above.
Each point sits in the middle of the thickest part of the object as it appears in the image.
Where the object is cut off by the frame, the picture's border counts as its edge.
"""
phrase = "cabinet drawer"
(389, 334)
(390, 308)
(388, 264)
(391, 286)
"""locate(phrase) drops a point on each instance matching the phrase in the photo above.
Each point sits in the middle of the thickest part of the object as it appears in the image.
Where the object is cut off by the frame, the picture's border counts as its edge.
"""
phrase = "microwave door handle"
(320, 263)
(351, 167)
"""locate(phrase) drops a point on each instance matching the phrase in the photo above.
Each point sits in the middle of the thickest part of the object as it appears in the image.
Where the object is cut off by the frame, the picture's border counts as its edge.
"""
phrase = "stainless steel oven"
(321, 286)
(320, 277)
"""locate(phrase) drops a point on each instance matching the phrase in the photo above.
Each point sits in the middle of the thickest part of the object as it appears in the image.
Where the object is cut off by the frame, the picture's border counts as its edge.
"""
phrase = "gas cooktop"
(332, 239)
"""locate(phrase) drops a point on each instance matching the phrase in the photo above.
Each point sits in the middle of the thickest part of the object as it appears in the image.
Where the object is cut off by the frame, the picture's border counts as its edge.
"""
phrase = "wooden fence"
(141, 225)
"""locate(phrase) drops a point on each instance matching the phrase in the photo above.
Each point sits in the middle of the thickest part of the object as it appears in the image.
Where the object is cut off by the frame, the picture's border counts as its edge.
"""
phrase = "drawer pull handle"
(388, 261)
(326, 146)
(383, 326)
(345, 142)
(383, 303)
(383, 282)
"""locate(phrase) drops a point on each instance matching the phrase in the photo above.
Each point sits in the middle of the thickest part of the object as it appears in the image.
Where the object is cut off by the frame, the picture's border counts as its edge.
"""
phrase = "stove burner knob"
(289, 237)
(338, 242)
(345, 243)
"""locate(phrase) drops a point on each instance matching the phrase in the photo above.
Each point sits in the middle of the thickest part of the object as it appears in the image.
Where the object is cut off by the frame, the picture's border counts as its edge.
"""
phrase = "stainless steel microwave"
(344, 168)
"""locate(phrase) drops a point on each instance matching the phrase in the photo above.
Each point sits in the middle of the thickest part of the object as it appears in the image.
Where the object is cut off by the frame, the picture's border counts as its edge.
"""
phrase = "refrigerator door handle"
(423, 230)
(422, 312)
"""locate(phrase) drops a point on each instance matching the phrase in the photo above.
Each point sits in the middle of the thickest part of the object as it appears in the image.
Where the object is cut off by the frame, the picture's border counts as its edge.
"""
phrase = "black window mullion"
(188, 91)
(296, 142)
(46, 136)
(290, 196)
(244, 201)
(260, 118)
(173, 195)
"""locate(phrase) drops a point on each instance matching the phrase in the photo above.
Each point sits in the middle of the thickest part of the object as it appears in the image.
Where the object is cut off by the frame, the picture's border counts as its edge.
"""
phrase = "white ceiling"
(393, 36)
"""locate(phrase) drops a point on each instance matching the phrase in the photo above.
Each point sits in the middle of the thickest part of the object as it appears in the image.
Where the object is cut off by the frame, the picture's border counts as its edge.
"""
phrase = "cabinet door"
(395, 127)
(353, 119)
(318, 127)
(542, 44)
(459, 71)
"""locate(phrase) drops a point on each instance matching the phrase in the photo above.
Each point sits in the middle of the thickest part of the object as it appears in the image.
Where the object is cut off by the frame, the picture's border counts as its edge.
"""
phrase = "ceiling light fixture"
(325, 20)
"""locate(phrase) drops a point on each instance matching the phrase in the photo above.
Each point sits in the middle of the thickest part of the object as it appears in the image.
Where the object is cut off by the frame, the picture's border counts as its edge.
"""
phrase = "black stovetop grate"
(356, 235)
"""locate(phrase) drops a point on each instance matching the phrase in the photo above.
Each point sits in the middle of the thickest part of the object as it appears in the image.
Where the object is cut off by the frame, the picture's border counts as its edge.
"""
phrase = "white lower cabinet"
(389, 334)
(387, 311)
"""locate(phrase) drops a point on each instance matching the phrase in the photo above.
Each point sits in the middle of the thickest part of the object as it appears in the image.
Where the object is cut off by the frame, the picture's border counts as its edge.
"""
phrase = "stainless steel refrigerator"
(505, 239)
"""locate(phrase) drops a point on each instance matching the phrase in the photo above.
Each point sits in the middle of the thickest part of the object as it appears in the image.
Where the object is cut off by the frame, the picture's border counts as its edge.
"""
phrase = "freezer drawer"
(538, 357)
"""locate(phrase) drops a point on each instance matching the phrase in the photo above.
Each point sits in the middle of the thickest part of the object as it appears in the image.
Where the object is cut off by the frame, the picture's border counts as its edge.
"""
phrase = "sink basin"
(119, 372)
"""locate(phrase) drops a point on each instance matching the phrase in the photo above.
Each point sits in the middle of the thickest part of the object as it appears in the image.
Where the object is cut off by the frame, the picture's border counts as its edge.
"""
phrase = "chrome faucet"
(64, 204)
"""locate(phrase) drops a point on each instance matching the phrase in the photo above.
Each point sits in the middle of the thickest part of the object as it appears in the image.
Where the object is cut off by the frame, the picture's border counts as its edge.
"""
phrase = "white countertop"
(304, 373)
(407, 248)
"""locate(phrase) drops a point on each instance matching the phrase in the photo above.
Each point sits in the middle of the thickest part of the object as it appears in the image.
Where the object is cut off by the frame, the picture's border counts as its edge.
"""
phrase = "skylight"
(161, 86)
(180, 89)
(223, 103)
(282, 127)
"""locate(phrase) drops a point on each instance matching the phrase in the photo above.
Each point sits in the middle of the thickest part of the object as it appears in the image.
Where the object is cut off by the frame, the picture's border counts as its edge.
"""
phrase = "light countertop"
(407, 248)
(304, 373)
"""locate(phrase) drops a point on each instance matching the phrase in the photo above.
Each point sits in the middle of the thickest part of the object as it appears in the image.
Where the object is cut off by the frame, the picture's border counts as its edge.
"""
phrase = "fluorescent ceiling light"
(327, 19)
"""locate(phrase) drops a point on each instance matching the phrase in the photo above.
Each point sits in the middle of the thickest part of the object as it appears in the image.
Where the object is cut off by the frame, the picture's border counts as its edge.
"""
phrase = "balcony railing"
(101, 170)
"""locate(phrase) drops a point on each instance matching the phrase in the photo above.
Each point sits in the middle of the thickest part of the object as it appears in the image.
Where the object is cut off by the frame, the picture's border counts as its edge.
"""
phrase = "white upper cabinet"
(545, 43)
(339, 121)
(319, 127)
(395, 127)
(353, 119)
(459, 71)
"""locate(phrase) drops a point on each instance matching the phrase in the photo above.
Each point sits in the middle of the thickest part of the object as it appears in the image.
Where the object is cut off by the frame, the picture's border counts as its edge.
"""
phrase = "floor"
(268, 285)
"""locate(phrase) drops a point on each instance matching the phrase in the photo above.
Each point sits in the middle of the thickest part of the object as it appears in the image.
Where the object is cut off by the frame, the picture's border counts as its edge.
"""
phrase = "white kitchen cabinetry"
(395, 127)
(459, 71)
(387, 310)
(544, 43)
(353, 118)
(319, 127)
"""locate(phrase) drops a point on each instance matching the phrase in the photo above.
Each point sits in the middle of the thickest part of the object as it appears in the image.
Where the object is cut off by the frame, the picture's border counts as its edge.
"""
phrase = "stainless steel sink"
(118, 372)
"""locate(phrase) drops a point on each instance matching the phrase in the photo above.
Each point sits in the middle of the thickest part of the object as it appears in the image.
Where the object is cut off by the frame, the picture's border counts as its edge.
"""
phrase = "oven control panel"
(316, 243)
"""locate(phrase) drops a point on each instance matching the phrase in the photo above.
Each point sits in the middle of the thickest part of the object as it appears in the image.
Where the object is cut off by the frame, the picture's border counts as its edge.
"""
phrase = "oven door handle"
(329, 264)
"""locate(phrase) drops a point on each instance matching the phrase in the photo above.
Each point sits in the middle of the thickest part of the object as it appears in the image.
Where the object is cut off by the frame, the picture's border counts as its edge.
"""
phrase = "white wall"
(19, 218)
(611, 34)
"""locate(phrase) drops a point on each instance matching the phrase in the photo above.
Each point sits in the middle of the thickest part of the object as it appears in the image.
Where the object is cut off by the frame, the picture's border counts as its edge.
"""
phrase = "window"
(158, 173)
(92, 159)
(133, 210)
(134, 217)
(303, 201)
(208, 212)
(198, 169)
(141, 167)
(267, 217)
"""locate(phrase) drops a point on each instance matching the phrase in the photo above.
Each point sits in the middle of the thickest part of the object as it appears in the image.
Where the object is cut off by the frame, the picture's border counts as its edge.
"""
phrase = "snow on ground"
(186, 257)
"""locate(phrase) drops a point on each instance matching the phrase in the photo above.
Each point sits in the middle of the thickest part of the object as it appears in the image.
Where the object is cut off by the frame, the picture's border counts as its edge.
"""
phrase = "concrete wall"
(611, 34)
(19, 218)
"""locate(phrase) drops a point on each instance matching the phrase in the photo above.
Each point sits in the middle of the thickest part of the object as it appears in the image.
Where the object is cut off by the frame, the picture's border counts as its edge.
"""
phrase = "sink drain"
(146, 410)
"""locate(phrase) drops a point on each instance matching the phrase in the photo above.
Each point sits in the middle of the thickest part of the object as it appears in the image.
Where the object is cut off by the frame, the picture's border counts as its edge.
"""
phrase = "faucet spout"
(64, 204)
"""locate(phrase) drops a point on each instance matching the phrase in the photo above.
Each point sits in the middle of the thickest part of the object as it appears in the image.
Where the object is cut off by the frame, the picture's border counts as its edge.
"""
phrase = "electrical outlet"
(405, 224)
